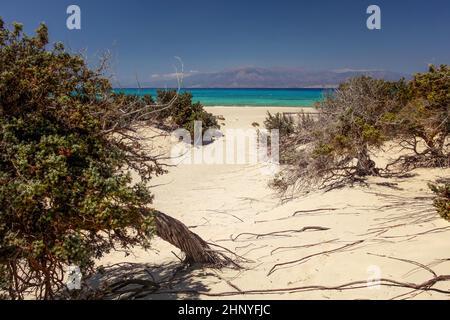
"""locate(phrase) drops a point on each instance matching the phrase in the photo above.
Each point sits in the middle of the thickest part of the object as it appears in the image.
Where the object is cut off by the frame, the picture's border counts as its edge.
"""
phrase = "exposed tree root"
(144, 288)
(278, 233)
(311, 211)
(302, 246)
(424, 286)
(417, 288)
(420, 265)
(137, 288)
(276, 266)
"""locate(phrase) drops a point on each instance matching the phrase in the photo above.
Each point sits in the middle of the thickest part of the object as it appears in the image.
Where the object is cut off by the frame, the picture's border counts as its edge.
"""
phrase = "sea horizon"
(244, 97)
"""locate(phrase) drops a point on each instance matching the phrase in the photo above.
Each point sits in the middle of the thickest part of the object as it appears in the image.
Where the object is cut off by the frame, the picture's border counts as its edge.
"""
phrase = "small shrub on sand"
(283, 123)
(334, 147)
(182, 112)
(423, 122)
(442, 201)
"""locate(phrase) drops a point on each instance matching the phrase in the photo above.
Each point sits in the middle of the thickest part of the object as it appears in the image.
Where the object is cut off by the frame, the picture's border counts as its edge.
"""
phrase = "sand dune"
(358, 233)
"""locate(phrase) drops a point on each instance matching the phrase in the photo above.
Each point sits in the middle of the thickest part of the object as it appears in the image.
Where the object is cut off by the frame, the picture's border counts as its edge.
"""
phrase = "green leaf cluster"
(442, 200)
(66, 190)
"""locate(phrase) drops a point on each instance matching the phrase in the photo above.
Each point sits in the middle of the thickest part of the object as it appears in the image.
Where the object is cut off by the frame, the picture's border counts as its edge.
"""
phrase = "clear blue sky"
(211, 35)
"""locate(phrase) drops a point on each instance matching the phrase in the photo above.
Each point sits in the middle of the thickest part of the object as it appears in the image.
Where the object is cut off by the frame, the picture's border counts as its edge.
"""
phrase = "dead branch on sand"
(195, 248)
(141, 288)
(427, 285)
(303, 246)
(276, 266)
(278, 233)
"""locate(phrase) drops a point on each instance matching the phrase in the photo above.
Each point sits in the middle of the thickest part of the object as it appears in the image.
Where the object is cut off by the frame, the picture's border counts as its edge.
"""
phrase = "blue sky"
(144, 36)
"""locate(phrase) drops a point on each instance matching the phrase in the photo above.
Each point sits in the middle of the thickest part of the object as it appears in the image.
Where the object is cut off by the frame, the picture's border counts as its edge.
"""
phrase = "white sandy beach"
(367, 230)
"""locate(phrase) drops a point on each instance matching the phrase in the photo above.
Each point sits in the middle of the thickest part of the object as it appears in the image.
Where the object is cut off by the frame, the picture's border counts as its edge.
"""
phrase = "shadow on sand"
(171, 281)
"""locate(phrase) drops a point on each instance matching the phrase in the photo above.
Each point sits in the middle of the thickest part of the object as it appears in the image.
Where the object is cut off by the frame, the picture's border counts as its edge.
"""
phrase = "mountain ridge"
(258, 77)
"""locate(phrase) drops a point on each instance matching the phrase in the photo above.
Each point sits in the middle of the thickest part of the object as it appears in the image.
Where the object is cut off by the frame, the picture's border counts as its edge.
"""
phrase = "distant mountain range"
(254, 77)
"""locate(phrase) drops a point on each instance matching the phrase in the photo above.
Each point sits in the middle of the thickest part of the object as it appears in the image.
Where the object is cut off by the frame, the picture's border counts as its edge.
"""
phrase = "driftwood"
(196, 250)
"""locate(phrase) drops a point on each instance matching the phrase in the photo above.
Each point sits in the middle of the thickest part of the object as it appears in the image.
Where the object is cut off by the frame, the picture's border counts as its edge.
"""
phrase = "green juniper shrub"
(144, 103)
(334, 146)
(293, 130)
(442, 201)
(178, 111)
(425, 119)
(283, 123)
(66, 192)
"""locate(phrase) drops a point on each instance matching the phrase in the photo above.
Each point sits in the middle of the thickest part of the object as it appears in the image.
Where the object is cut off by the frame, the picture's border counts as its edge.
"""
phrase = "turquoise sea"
(246, 97)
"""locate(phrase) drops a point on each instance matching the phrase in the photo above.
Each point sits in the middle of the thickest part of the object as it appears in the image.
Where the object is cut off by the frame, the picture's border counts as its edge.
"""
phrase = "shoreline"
(237, 117)
(244, 97)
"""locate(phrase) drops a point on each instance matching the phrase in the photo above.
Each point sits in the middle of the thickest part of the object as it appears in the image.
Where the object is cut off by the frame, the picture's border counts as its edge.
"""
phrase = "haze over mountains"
(255, 77)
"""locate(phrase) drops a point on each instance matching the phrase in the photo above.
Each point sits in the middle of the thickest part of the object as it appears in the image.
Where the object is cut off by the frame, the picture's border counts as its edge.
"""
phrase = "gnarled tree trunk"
(365, 166)
(195, 248)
